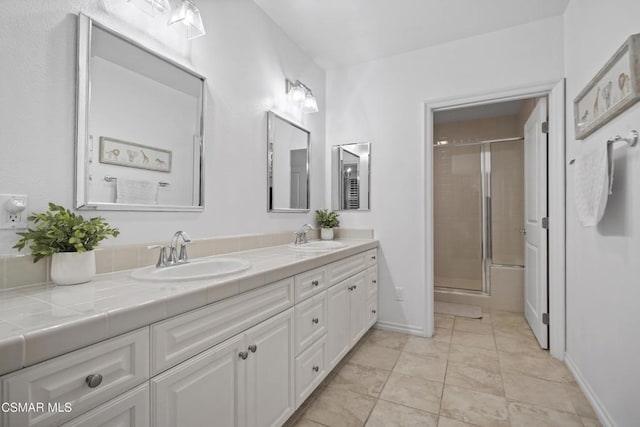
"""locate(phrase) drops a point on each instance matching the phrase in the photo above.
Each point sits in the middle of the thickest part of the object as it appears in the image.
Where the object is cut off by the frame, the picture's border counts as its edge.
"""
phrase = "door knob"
(315, 320)
(316, 368)
(373, 311)
(253, 348)
(243, 355)
(315, 283)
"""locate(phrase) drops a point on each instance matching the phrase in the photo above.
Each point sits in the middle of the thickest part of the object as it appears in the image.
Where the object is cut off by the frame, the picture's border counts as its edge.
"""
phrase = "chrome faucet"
(174, 257)
(301, 236)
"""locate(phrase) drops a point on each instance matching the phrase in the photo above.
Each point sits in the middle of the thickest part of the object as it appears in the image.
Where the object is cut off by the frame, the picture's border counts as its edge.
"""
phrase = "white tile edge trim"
(398, 327)
(591, 396)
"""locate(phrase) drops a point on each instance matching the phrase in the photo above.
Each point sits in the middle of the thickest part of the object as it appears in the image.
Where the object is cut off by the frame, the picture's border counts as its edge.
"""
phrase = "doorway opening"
(493, 161)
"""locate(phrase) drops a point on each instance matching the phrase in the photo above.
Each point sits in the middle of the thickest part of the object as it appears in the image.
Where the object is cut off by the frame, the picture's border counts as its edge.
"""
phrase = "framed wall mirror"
(288, 147)
(350, 176)
(140, 128)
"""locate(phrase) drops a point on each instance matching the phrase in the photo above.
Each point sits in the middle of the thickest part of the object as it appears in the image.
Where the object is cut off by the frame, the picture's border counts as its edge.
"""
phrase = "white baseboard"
(591, 396)
(398, 327)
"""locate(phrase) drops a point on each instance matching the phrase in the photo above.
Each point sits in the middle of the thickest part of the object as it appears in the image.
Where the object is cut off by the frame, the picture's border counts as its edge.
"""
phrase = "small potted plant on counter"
(69, 239)
(327, 220)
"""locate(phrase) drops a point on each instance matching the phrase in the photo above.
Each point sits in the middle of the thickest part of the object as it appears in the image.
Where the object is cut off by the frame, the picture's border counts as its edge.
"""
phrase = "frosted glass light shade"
(310, 105)
(187, 21)
(152, 7)
(297, 93)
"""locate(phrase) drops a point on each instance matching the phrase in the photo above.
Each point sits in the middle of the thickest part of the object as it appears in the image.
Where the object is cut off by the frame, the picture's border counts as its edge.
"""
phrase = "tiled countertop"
(41, 322)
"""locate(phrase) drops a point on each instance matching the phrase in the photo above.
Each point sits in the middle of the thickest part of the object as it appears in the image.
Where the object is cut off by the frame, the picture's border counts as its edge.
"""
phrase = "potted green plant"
(327, 220)
(69, 239)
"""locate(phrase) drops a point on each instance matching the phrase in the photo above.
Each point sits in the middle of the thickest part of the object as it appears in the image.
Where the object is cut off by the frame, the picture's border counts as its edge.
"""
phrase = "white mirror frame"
(85, 25)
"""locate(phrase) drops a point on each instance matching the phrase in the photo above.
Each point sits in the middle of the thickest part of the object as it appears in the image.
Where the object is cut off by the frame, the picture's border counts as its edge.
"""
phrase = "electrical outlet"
(13, 215)
(399, 294)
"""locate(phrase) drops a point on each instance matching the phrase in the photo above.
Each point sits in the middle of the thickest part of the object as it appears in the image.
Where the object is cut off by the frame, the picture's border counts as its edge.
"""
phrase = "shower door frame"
(555, 91)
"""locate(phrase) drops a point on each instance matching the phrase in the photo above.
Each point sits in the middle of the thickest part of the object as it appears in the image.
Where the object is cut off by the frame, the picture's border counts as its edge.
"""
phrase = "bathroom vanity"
(248, 353)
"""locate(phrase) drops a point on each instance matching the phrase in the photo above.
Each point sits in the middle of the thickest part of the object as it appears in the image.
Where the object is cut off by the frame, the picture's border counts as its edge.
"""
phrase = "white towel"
(593, 183)
(136, 191)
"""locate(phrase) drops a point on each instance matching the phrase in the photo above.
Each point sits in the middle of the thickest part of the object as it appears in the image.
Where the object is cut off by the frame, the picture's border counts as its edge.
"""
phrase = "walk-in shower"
(478, 202)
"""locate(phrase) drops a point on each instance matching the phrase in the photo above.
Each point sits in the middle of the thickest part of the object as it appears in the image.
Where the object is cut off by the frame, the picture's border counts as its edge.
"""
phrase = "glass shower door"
(458, 217)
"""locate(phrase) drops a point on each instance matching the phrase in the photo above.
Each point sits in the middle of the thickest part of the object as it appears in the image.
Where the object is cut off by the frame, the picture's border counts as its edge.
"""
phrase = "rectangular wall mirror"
(140, 129)
(350, 176)
(287, 165)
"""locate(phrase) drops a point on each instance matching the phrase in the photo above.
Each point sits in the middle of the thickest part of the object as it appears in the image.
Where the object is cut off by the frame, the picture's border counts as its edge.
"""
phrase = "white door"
(205, 390)
(535, 205)
(338, 321)
(270, 371)
(358, 306)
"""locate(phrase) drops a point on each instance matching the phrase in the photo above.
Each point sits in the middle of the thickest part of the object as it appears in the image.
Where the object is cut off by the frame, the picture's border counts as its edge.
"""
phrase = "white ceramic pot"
(72, 268)
(326, 233)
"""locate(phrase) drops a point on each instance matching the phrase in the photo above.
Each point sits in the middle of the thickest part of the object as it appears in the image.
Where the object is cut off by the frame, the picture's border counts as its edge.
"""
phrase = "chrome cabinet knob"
(243, 355)
(373, 311)
(373, 257)
(316, 368)
(315, 283)
(253, 348)
(315, 320)
(374, 281)
(355, 286)
(93, 380)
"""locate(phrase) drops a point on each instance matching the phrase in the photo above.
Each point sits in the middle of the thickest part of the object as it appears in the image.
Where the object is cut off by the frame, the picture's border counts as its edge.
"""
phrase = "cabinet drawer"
(123, 363)
(340, 270)
(177, 339)
(310, 370)
(372, 310)
(311, 321)
(129, 410)
(310, 283)
(372, 257)
(372, 280)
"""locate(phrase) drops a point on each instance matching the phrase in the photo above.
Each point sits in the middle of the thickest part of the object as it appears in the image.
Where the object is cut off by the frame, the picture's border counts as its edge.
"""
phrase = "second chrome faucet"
(174, 257)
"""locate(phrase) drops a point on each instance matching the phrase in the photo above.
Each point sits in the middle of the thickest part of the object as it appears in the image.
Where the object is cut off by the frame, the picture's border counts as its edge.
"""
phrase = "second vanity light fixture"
(185, 18)
(300, 94)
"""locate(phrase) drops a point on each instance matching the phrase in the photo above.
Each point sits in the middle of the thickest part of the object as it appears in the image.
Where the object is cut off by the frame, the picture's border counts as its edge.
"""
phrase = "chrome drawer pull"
(253, 348)
(315, 320)
(243, 355)
(93, 380)
(316, 368)
(315, 283)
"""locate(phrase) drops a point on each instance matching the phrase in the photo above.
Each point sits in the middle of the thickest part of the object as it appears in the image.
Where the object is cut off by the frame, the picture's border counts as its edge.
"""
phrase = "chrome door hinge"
(545, 127)
(545, 318)
(545, 223)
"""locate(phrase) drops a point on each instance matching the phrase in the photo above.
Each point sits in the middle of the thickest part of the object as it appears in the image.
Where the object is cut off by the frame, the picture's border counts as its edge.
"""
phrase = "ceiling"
(337, 33)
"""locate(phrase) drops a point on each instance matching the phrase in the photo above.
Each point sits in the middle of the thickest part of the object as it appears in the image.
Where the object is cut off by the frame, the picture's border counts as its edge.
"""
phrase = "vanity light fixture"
(302, 95)
(152, 7)
(186, 20)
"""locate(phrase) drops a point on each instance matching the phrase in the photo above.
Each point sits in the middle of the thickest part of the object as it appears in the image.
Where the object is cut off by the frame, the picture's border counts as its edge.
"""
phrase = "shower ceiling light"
(301, 94)
(186, 20)
(151, 7)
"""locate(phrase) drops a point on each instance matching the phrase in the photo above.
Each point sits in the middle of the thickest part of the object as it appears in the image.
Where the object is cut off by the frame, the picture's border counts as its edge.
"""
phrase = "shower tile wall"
(457, 200)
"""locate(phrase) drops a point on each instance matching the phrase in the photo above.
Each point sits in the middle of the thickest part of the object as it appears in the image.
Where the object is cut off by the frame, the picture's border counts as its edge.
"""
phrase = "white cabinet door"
(128, 410)
(338, 320)
(358, 306)
(270, 371)
(208, 389)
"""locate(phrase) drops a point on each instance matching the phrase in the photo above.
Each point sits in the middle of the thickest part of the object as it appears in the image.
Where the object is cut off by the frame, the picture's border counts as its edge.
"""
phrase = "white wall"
(245, 57)
(603, 262)
(382, 102)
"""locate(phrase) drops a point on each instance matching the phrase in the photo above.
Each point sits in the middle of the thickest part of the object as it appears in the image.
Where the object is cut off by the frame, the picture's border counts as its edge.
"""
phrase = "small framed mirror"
(350, 176)
(287, 165)
(140, 126)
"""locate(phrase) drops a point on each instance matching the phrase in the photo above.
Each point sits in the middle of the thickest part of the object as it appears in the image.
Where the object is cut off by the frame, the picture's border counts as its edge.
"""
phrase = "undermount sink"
(194, 270)
(318, 246)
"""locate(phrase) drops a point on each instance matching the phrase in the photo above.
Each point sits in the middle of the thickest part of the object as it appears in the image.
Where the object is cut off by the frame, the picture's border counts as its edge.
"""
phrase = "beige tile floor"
(487, 372)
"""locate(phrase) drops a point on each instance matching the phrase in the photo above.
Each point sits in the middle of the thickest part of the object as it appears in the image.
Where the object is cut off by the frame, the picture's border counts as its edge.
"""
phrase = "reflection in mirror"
(140, 126)
(350, 171)
(287, 165)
